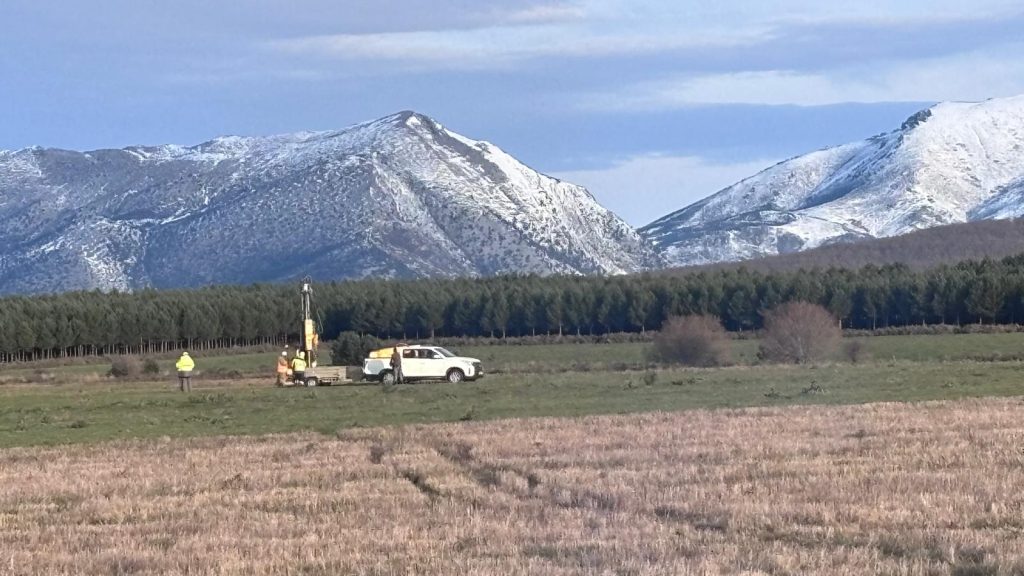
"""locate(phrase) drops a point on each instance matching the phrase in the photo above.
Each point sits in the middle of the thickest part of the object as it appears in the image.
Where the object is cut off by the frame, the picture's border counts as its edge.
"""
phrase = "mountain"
(919, 250)
(399, 197)
(954, 162)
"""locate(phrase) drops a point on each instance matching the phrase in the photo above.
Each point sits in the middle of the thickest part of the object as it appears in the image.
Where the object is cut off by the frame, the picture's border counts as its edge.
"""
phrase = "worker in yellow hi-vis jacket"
(299, 368)
(184, 366)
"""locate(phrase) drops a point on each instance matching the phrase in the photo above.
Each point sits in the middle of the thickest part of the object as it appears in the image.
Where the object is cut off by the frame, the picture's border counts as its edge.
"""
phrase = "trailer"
(332, 375)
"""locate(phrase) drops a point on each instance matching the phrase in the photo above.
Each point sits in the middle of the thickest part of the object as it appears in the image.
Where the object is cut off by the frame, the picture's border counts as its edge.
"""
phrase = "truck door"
(435, 363)
(412, 365)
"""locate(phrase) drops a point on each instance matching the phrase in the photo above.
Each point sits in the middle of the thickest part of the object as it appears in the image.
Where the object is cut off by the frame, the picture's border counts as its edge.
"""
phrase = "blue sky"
(652, 104)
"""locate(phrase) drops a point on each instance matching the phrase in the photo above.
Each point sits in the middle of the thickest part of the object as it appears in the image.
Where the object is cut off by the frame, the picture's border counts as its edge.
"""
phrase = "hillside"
(955, 162)
(400, 197)
(919, 250)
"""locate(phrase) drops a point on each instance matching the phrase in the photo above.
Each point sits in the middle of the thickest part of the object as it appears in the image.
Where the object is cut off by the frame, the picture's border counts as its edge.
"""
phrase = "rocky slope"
(954, 162)
(397, 197)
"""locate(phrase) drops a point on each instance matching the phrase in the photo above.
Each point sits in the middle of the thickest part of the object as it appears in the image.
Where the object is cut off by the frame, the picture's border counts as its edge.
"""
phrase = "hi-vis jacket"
(185, 363)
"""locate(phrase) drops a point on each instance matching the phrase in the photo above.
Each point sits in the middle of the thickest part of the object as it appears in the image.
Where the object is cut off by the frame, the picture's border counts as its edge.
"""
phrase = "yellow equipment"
(310, 339)
(386, 352)
(306, 355)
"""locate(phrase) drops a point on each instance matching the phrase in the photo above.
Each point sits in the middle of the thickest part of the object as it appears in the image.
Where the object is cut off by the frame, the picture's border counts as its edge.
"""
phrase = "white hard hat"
(284, 353)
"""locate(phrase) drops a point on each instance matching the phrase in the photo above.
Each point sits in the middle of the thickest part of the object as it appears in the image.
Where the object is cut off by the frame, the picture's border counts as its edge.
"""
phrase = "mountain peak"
(396, 197)
(916, 119)
(953, 162)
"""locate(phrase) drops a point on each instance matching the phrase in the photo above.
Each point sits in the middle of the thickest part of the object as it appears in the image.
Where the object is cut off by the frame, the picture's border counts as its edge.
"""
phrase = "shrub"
(150, 366)
(799, 332)
(125, 367)
(693, 341)
(855, 351)
(350, 348)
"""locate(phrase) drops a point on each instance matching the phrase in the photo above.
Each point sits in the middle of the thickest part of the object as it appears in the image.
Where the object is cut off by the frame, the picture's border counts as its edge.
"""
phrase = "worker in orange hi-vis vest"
(282, 368)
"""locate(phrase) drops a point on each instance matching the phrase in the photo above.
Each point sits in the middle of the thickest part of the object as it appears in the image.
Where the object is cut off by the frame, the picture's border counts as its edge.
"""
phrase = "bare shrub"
(150, 366)
(799, 332)
(125, 367)
(693, 341)
(855, 351)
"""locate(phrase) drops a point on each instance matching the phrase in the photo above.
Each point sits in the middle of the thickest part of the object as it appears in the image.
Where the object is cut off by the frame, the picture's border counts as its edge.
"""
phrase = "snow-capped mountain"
(954, 162)
(397, 197)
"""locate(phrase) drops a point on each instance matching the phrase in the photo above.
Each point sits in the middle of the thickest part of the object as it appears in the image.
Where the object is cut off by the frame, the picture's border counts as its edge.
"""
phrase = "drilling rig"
(309, 341)
(309, 337)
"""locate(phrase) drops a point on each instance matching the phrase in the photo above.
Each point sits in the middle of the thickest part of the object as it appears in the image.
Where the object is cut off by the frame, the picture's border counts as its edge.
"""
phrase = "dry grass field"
(931, 488)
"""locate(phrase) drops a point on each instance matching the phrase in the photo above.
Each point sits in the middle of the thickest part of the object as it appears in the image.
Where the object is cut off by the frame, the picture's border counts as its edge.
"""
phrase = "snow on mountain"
(954, 162)
(398, 197)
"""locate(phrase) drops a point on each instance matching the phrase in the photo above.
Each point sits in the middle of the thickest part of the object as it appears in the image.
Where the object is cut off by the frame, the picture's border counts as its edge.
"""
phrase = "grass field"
(34, 414)
(878, 489)
(571, 459)
(578, 357)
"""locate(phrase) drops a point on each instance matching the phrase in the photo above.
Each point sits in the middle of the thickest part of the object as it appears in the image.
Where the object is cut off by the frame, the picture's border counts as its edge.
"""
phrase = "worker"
(184, 366)
(396, 365)
(299, 368)
(282, 368)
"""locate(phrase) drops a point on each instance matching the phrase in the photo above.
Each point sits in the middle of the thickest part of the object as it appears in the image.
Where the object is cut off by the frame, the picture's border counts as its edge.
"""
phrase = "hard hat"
(284, 353)
(184, 353)
(301, 354)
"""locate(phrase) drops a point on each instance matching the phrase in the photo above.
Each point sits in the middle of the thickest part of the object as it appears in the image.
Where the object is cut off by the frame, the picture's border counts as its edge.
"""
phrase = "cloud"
(485, 47)
(974, 76)
(492, 47)
(644, 188)
(544, 13)
(769, 44)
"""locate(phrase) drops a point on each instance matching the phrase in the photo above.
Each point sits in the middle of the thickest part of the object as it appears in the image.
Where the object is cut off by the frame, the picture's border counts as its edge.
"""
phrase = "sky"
(651, 104)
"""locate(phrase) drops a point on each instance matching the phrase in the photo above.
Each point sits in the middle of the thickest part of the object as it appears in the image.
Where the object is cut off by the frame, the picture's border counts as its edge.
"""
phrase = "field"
(74, 413)
(572, 357)
(570, 459)
(877, 489)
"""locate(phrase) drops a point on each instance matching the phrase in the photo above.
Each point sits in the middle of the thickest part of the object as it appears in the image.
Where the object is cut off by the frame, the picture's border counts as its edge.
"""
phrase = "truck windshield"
(446, 353)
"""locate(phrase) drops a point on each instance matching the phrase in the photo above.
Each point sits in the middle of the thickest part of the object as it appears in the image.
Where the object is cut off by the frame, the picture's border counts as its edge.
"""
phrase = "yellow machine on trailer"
(310, 341)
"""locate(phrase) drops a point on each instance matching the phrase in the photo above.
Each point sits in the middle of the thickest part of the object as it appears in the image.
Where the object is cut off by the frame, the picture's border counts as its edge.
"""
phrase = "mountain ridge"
(949, 244)
(953, 162)
(396, 197)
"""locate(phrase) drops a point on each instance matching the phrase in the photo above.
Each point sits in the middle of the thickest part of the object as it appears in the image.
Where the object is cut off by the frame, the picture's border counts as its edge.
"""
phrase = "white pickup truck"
(422, 363)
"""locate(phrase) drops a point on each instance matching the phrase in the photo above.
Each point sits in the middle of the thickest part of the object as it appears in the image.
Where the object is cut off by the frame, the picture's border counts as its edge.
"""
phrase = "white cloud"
(496, 46)
(505, 36)
(974, 76)
(644, 188)
(545, 13)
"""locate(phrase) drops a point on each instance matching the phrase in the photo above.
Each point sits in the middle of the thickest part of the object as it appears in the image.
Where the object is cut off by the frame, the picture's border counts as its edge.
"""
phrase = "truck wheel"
(312, 382)
(388, 378)
(455, 376)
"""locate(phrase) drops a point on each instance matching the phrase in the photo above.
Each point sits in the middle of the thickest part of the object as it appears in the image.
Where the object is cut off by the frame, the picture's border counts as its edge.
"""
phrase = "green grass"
(539, 380)
(37, 415)
(255, 363)
(918, 348)
(558, 357)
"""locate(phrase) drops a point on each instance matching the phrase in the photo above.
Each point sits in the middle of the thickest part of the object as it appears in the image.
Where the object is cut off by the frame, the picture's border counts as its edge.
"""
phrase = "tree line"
(152, 321)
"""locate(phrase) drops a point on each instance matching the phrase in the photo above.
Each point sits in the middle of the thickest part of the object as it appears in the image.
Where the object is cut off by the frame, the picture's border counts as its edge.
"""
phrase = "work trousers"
(185, 381)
